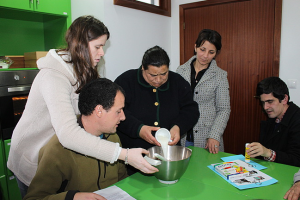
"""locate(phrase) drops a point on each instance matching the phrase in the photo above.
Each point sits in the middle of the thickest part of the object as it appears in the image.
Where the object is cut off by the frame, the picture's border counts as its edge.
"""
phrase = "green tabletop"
(200, 182)
(18, 69)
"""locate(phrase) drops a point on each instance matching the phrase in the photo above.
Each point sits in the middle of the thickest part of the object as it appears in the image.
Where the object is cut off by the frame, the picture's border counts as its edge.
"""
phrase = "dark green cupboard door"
(34, 28)
(59, 7)
(18, 4)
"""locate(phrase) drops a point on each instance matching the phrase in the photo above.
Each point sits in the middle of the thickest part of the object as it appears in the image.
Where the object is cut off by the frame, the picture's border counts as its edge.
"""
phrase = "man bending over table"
(65, 174)
(280, 134)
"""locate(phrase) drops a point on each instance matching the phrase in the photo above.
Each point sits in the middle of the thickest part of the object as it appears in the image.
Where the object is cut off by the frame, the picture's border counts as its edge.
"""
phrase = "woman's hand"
(257, 149)
(88, 196)
(136, 160)
(212, 145)
(146, 134)
(175, 135)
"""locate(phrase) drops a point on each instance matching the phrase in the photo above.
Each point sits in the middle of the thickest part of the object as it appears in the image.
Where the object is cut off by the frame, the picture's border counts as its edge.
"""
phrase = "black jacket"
(285, 141)
(170, 104)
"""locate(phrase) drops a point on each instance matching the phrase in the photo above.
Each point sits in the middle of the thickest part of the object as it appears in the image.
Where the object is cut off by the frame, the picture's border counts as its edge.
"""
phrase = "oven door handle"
(19, 89)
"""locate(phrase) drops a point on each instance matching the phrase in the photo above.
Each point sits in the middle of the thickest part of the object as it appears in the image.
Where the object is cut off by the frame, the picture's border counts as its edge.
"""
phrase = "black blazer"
(285, 141)
(170, 104)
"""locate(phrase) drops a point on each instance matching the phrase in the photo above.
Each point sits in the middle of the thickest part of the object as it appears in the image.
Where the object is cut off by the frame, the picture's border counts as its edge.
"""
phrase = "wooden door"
(250, 31)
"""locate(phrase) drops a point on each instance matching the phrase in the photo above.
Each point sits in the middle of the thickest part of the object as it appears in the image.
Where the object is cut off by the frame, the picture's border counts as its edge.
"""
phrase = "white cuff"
(116, 154)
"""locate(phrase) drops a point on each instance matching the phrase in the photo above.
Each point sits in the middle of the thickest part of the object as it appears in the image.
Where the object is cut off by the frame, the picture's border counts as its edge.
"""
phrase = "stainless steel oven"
(14, 89)
(15, 85)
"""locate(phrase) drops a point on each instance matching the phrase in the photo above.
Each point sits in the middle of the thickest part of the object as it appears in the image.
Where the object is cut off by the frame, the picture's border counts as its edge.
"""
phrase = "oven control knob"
(16, 77)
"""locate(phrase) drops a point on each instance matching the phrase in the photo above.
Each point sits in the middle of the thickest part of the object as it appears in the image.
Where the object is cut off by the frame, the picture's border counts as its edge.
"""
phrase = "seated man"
(294, 192)
(280, 134)
(65, 174)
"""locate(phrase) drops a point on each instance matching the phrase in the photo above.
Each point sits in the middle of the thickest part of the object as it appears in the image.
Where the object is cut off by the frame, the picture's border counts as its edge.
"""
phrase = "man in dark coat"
(280, 134)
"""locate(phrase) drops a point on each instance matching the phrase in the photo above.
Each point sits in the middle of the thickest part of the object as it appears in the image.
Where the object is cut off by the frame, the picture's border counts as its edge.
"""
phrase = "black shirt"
(194, 81)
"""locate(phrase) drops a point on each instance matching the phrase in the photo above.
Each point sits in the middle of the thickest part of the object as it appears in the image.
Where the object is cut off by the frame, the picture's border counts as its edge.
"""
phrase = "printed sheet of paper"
(242, 158)
(114, 193)
(255, 179)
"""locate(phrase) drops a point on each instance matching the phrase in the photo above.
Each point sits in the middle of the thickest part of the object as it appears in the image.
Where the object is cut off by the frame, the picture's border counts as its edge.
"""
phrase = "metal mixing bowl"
(178, 159)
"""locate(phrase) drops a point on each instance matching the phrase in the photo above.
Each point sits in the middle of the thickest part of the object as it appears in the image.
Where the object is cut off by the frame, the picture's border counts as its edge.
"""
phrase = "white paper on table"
(114, 193)
(256, 179)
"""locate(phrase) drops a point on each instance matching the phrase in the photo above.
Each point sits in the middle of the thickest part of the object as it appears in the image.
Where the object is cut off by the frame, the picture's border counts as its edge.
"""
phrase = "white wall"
(133, 32)
(175, 39)
(290, 46)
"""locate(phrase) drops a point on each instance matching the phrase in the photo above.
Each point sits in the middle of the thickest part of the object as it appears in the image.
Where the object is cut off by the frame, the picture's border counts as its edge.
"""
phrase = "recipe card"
(114, 193)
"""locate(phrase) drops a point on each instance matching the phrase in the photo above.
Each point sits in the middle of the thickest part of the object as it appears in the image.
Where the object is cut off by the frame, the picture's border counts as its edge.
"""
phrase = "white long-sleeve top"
(51, 108)
(297, 176)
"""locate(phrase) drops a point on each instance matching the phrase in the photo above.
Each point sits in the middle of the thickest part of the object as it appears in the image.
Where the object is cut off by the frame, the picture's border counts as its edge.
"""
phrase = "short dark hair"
(211, 36)
(155, 56)
(273, 85)
(101, 91)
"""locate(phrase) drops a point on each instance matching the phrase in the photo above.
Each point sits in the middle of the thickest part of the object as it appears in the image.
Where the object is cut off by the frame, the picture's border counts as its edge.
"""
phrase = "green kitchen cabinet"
(12, 185)
(3, 180)
(3, 188)
(12, 188)
(6, 144)
(18, 4)
(2, 159)
(58, 7)
(26, 29)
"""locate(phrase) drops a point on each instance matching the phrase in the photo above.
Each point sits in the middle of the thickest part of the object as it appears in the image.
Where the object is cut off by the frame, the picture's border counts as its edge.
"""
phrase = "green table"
(200, 182)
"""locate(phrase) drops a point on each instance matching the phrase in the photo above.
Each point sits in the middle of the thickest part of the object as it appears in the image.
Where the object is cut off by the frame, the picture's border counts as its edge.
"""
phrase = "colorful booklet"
(231, 170)
(241, 175)
(242, 158)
